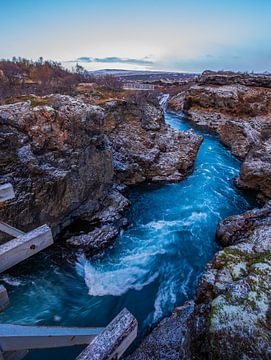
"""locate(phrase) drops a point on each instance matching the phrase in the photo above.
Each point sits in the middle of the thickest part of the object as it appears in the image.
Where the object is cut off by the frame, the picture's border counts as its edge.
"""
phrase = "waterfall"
(163, 101)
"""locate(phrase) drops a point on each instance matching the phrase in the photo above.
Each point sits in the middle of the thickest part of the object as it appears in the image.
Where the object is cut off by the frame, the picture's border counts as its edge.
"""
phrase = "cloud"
(115, 59)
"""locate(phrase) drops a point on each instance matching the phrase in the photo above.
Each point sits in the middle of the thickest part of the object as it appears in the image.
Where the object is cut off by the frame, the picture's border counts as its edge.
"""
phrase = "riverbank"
(231, 315)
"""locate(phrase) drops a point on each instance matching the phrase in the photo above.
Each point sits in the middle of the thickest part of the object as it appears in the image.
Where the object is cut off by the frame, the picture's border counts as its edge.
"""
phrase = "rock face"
(176, 103)
(232, 312)
(56, 159)
(169, 340)
(255, 173)
(107, 224)
(228, 77)
(238, 108)
(227, 102)
(144, 148)
(65, 156)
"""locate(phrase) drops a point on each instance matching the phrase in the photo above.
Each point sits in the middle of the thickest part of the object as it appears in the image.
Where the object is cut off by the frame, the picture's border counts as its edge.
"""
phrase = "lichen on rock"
(234, 295)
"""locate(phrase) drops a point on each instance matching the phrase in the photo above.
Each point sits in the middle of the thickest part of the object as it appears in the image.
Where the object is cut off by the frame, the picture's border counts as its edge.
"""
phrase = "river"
(154, 265)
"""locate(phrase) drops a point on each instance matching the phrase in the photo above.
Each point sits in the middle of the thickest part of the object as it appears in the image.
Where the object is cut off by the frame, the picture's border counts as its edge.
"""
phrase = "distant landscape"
(135, 191)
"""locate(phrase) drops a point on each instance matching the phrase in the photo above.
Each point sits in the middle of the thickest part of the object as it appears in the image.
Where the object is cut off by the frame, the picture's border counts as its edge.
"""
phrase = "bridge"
(138, 86)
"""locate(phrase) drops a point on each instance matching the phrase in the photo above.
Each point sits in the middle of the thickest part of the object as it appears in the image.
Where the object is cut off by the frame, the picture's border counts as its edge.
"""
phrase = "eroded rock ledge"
(238, 108)
(230, 77)
(55, 157)
(68, 161)
(170, 338)
(145, 148)
(232, 312)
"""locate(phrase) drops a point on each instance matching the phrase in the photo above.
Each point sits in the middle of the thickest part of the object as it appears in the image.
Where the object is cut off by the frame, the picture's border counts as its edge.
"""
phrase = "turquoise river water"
(154, 265)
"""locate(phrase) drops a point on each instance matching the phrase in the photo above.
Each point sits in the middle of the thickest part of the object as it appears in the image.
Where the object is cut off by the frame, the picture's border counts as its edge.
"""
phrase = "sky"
(172, 35)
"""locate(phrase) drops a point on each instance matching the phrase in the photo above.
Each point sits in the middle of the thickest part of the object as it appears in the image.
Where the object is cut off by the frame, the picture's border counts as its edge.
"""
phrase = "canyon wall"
(69, 160)
(55, 156)
(239, 111)
(231, 317)
(144, 147)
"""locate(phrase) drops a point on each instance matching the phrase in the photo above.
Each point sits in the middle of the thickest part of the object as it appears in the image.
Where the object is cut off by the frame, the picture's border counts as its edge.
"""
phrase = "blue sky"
(183, 35)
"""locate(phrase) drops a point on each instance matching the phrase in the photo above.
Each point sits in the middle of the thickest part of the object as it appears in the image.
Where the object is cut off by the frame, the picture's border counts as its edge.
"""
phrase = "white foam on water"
(57, 318)
(178, 224)
(165, 299)
(197, 216)
(10, 280)
(137, 266)
(142, 259)
(159, 225)
(115, 282)
(167, 295)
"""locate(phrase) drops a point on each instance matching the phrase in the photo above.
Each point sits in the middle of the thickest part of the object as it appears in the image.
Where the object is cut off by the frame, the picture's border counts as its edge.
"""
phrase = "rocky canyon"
(72, 159)
(69, 161)
(230, 315)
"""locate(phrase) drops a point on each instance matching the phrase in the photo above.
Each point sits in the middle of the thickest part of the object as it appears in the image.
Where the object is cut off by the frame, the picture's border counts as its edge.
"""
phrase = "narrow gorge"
(167, 214)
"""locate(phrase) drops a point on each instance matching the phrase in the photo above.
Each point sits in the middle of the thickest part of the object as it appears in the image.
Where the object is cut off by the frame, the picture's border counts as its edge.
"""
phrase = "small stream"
(154, 265)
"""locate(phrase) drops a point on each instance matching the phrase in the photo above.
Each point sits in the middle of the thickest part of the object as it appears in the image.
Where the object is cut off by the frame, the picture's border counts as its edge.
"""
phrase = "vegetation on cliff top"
(21, 76)
(22, 79)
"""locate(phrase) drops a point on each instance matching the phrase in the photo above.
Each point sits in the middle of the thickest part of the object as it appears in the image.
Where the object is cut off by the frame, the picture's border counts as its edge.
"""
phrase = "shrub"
(23, 77)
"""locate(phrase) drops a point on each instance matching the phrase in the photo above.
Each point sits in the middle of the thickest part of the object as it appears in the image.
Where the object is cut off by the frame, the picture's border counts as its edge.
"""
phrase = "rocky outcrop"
(69, 159)
(144, 147)
(228, 78)
(240, 113)
(229, 101)
(103, 227)
(175, 103)
(232, 312)
(255, 173)
(55, 157)
(170, 338)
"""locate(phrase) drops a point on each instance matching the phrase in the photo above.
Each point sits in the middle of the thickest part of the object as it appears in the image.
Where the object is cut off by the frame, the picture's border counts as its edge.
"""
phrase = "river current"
(153, 266)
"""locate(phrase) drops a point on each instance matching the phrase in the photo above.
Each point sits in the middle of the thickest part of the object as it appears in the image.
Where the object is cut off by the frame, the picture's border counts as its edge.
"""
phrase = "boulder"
(255, 173)
(231, 319)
